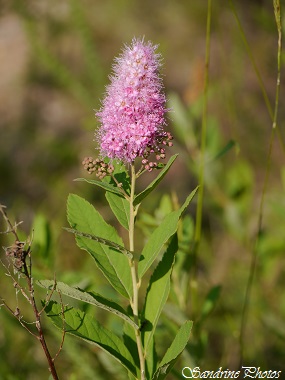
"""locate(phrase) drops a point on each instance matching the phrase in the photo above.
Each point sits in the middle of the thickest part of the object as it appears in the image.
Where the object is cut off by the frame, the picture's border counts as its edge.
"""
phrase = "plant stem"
(276, 4)
(199, 212)
(27, 271)
(134, 302)
(254, 258)
(198, 225)
(132, 214)
(37, 314)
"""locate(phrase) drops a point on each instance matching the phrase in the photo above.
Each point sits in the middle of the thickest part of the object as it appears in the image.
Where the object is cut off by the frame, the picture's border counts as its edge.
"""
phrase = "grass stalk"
(199, 211)
(250, 281)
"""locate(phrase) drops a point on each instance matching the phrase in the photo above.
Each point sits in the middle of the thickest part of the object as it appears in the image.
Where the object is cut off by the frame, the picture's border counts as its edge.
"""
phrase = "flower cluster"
(96, 165)
(132, 116)
(159, 153)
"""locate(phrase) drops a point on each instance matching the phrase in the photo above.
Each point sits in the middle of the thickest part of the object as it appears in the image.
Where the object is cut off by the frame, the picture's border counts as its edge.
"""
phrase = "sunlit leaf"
(89, 297)
(172, 354)
(120, 207)
(151, 359)
(157, 292)
(160, 236)
(108, 243)
(155, 182)
(84, 326)
(83, 217)
(106, 186)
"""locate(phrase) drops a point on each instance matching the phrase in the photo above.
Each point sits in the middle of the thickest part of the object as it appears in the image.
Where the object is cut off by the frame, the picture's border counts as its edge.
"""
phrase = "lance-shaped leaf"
(83, 217)
(155, 182)
(106, 186)
(120, 207)
(111, 244)
(157, 292)
(160, 236)
(151, 359)
(89, 297)
(84, 326)
(172, 354)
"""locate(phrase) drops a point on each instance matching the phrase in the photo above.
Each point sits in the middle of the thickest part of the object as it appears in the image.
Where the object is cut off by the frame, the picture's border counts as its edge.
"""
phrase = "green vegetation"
(228, 277)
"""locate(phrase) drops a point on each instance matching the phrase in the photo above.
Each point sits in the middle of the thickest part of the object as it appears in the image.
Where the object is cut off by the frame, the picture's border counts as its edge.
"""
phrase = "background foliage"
(55, 61)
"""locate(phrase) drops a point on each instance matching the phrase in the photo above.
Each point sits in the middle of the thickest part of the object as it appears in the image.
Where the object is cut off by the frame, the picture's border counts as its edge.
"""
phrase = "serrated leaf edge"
(83, 296)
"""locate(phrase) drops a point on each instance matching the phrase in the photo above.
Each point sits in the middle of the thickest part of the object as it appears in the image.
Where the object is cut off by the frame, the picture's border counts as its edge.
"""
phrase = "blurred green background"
(55, 59)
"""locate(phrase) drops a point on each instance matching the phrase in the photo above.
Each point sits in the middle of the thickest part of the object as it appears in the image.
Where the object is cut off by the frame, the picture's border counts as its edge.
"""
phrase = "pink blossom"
(132, 115)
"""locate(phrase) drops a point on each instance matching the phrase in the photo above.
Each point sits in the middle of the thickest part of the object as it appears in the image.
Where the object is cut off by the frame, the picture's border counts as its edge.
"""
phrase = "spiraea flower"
(132, 115)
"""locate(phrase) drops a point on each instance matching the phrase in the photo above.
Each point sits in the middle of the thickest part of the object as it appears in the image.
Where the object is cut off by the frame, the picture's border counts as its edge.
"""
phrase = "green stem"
(204, 132)
(134, 302)
(271, 112)
(199, 212)
(277, 12)
(249, 285)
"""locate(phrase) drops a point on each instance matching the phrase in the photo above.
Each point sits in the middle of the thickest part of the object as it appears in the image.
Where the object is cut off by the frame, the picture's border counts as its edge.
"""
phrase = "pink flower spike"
(132, 115)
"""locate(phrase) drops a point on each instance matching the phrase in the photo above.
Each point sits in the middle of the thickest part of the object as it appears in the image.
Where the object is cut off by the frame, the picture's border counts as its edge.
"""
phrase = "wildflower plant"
(132, 142)
(18, 267)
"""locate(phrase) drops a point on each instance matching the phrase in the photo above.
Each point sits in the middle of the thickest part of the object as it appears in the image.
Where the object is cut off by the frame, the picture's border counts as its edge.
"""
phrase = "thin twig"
(16, 315)
(18, 255)
(10, 228)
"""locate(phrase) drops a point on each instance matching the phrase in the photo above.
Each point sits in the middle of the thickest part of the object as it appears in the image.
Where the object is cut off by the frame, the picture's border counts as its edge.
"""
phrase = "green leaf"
(121, 176)
(84, 326)
(110, 244)
(151, 359)
(160, 236)
(82, 216)
(155, 182)
(120, 207)
(176, 348)
(129, 338)
(41, 236)
(89, 297)
(106, 186)
(157, 292)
